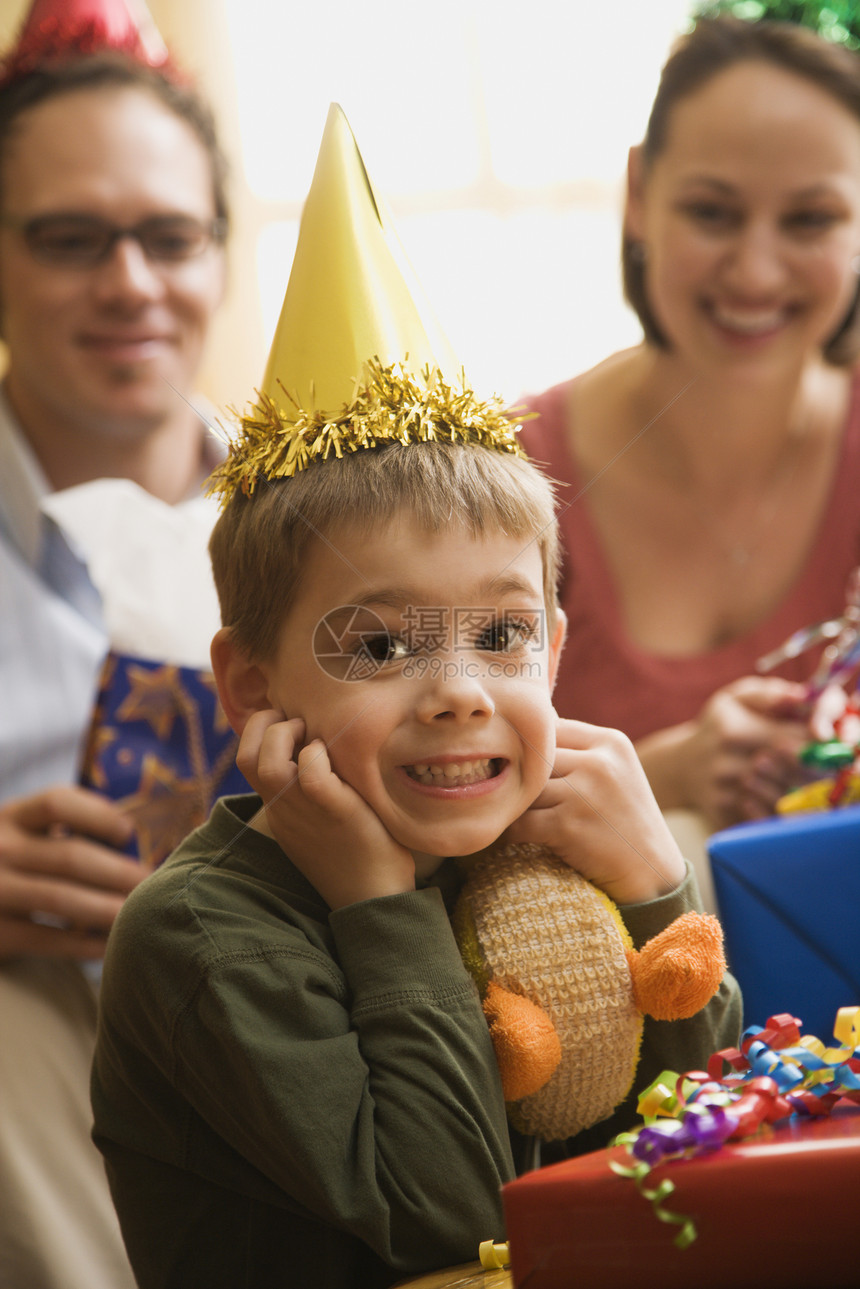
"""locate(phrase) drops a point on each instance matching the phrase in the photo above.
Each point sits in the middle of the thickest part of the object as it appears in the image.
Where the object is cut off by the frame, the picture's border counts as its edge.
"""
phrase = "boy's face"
(422, 661)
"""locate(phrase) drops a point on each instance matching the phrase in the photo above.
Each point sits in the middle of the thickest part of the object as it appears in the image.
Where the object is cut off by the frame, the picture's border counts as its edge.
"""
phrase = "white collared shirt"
(53, 640)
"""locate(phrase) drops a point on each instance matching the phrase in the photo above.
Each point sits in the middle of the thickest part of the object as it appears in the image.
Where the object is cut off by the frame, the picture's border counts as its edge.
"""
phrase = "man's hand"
(599, 815)
(324, 826)
(62, 881)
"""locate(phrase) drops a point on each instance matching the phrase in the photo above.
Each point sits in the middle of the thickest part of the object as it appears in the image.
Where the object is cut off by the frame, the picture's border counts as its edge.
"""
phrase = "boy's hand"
(599, 815)
(323, 825)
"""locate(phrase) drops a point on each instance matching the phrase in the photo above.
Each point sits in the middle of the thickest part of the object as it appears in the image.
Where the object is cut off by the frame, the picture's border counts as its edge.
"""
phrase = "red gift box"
(776, 1209)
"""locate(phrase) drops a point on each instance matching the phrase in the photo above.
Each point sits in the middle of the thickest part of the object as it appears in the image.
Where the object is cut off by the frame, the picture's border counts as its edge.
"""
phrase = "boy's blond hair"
(259, 545)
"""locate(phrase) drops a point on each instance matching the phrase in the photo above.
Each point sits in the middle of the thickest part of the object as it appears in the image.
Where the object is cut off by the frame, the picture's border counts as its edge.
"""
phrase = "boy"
(294, 1083)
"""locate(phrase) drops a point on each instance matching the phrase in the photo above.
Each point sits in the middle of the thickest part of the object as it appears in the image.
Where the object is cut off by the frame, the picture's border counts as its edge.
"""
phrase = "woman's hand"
(323, 825)
(738, 757)
(599, 815)
(62, 881)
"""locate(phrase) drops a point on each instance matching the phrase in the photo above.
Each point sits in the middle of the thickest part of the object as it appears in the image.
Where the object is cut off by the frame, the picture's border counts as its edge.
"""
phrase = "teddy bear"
(563, 989)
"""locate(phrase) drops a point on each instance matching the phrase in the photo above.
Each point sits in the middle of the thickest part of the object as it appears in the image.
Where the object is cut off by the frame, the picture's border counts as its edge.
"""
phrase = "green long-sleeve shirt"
(288, 1096)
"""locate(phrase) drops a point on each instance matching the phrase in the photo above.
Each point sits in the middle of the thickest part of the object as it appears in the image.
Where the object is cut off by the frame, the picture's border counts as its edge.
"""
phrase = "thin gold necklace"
(741, 553)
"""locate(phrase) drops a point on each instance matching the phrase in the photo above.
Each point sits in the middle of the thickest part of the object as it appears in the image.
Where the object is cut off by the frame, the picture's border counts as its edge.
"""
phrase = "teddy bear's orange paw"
(678, 971)
(527, 1046)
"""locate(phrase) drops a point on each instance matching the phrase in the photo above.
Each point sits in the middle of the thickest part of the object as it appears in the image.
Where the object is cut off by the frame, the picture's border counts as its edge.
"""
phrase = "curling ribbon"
(775, 1073)
(494, 1257)
(656, 1195)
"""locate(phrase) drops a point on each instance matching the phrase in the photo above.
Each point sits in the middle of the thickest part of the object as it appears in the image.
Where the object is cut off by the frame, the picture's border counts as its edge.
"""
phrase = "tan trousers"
(58, 1229)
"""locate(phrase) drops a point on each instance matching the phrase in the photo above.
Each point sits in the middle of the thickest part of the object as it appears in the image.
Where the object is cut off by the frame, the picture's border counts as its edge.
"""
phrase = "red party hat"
(59, 29)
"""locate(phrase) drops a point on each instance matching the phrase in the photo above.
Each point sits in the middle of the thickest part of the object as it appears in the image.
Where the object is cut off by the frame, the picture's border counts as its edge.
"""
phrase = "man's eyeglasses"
(85, 240)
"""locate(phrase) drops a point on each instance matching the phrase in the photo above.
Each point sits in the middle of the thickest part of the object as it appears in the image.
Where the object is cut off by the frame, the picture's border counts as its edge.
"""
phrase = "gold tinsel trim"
(390, 406)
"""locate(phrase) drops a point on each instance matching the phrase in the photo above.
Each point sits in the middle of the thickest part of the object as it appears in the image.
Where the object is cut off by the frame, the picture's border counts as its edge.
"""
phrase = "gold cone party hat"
(347, 298)
(358, 359)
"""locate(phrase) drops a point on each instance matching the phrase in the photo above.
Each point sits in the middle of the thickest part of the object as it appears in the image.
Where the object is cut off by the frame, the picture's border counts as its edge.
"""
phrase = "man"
(112, 222)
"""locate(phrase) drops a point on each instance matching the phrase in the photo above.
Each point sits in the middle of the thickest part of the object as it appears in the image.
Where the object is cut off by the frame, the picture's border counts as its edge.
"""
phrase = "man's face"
(422, 661)
(100, 346)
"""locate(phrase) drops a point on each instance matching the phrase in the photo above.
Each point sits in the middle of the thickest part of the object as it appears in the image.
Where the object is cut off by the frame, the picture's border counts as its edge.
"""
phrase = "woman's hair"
(714, 45)
(260, 544)
(108, 70)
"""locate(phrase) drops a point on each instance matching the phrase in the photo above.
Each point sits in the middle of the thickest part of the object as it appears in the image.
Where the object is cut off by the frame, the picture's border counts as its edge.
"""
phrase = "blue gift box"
(160, 746)
(788, 891)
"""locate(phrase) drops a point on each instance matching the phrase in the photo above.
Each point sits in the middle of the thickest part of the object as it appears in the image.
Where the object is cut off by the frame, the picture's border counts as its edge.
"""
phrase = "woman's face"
(750, 221)
(107, 344)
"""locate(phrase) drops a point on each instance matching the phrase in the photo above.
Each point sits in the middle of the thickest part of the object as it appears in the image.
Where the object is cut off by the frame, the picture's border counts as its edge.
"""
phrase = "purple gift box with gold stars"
(161, 747)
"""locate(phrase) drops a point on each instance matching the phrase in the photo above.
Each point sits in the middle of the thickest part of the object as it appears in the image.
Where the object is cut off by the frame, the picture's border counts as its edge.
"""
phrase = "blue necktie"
(66, 574)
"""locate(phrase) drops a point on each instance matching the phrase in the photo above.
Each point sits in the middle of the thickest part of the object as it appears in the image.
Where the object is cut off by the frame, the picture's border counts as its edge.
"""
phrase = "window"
(498, 133)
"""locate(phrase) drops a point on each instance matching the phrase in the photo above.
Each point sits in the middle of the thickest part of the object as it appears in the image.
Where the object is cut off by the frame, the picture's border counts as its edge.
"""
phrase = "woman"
(712, 472)
(112, 221)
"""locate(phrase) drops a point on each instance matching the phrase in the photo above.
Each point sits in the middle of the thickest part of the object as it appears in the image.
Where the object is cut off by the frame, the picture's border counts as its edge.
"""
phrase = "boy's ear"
(242, 685)
(634, 222)
(556, 645)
